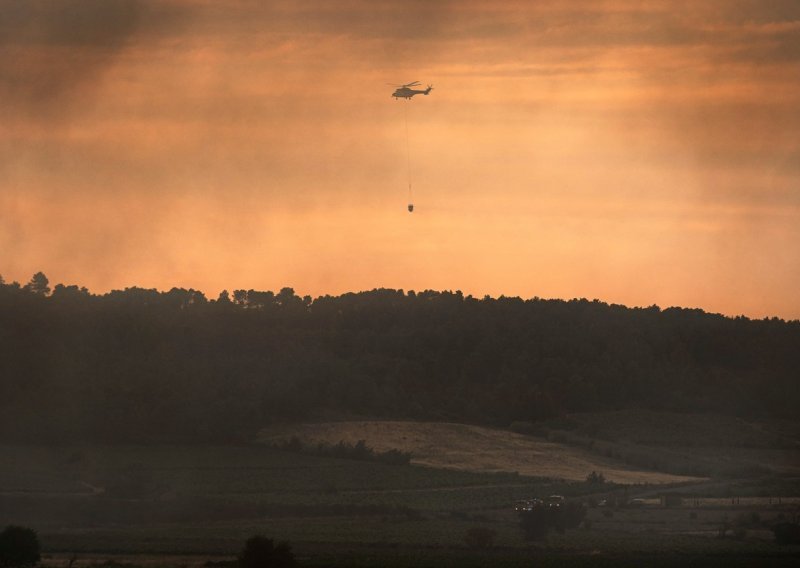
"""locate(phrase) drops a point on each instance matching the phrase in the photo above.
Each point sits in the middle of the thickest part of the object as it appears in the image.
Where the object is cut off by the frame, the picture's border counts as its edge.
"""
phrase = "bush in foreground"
(262, 552)
(19, 547)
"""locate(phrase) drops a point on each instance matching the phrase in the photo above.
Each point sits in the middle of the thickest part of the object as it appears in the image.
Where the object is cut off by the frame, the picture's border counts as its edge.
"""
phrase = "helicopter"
(406, 92)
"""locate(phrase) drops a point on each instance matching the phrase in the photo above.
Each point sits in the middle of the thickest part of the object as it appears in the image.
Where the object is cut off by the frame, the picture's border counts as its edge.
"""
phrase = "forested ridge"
(144, 366)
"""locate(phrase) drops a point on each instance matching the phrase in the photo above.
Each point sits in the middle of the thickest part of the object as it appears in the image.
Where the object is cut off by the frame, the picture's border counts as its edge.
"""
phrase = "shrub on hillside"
(595, 478)
(344, 450)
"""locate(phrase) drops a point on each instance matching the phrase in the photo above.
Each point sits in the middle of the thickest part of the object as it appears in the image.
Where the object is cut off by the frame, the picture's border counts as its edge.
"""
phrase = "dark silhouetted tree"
(19, 547)
(39, 284)
(262, 552)
(260, 299)
(286, 296)
(61, 292)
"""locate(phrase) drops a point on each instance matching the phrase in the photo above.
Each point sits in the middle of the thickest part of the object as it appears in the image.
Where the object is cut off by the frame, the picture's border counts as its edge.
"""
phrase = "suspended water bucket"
(410, 207)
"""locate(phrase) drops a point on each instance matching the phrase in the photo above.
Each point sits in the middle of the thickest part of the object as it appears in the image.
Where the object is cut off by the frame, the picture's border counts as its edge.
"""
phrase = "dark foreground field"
(398, 557)
(193, 504)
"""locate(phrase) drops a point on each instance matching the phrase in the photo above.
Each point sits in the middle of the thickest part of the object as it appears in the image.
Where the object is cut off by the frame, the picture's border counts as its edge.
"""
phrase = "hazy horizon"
(635, 152)
(214, 295)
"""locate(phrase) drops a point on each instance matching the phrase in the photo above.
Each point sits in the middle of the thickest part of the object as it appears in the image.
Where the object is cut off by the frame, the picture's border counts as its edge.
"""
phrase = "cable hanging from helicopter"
(406, 92)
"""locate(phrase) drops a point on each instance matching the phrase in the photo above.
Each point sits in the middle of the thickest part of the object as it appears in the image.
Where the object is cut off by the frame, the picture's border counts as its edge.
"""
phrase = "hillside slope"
(471, 448)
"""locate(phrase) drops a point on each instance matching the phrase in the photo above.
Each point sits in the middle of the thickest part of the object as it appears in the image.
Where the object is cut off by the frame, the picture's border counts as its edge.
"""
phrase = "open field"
(201, 502)
(472, 448)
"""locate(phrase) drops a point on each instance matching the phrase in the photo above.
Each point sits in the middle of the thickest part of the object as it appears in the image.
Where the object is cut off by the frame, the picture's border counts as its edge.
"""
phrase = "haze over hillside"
(142, 365)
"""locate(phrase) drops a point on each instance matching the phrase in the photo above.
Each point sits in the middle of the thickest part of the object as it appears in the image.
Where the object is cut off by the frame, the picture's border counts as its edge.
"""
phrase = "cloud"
(93, 23)
(52, 50)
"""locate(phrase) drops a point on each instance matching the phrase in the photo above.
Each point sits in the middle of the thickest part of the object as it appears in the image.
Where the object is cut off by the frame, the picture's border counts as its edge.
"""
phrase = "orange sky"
(639, 152)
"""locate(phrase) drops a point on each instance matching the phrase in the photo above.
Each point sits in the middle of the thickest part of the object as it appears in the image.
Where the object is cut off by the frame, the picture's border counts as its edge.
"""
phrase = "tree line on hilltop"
(139, 365)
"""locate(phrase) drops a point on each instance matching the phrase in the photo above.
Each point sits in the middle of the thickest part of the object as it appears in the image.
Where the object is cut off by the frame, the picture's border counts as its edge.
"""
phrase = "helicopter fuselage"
(406, 93)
